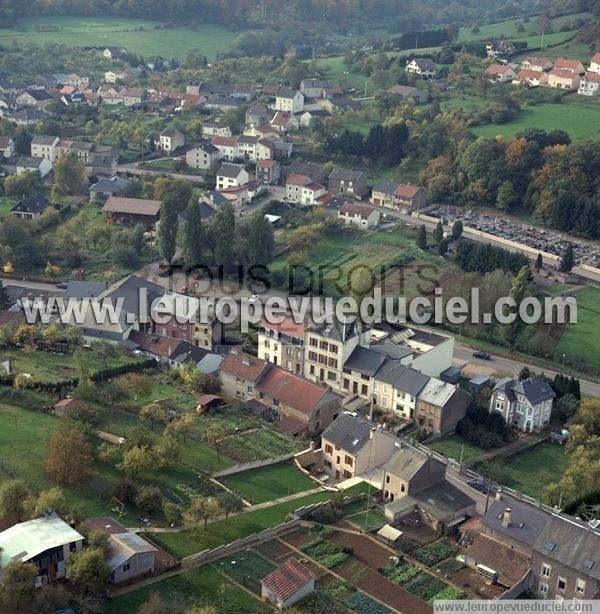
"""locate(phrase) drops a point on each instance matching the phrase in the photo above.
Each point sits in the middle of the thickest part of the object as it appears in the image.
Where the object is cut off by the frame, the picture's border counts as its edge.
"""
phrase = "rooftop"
(134, 206)
(288, 579)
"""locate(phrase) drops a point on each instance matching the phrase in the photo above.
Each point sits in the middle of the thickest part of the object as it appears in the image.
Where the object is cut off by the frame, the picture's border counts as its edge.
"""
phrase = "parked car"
(482, 355)
(479, 485)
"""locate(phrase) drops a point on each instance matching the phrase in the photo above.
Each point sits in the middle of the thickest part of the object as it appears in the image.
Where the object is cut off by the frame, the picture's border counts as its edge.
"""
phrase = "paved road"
(463, 354)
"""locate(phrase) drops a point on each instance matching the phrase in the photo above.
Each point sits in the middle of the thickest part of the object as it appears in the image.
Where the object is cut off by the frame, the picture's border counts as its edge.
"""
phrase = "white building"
(47, 542)
(288, 584)
(360, 216)
(589, 85)
(595, 63)
(289, 100)
(526, 405)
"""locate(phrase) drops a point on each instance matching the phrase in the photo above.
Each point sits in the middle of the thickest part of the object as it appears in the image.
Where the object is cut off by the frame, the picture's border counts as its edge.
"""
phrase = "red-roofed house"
(595, 63)
(536, 63)
(284, 122)
(362, 216)
(301, 407)
(311, 194)
(268, 172)
(531, 77)
(589, 85)
(563, 78)
(573, 66)
(288, 584)
(293, 187)
(239, 373)
(227, 145)
(499, 73)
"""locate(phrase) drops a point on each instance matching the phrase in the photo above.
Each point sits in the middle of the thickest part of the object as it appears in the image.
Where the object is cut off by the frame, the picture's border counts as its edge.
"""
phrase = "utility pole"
(542, 43)
(462, 450)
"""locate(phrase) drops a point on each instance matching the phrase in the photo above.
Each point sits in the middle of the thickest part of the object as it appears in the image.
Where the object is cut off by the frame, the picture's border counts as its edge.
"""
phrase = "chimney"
(507, 518)
(372, 432)
(499, 495)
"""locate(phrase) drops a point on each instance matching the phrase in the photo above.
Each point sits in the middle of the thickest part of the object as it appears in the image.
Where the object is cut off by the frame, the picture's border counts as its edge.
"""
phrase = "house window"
(387, 478)
(580, 586)
(348, 460)
(126, 567)
(327, 464)
(72, 546)
(331, 375)
(546, 569)
(328, 448)
(402, 488)
(561, 585)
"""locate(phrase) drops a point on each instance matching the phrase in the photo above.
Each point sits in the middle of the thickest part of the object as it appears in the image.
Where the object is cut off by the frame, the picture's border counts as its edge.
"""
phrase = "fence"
(209, 556)
(252, 465)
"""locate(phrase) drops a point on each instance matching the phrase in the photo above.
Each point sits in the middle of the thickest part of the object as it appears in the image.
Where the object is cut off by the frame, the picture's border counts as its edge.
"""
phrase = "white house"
(47, 542)
(526, 405)
(424, 67)
(595, 63)
(7, 146)
(289, 100)
(361, 216)
(170, 140)
(589, 85)
(202, 156)
(500, 73)
(231, 176)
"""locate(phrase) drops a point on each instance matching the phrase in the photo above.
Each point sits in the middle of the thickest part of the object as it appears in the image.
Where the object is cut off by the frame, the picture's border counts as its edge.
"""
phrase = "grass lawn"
(581, 121)
(6, 204)
(451, 448)
(535, 468)
(267, 483)
(246, 568)
(531, 33)
(369, 520)
(579, 341)
(138, 36)
(52, 367)
(221, 532)
(204, 586)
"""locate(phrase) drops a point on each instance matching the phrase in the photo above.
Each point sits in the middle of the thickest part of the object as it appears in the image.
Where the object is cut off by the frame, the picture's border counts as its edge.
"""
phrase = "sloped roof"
(365, 361)
(122, 546)
(364, 211)
(406, 461)
(436, 392)
(402, 378)
(535, 390)
(293, 390)
(407, 190)
(243, 365)
(346, 174)
(497, 69)
(32, 204)
(288, 579)
(348, 432)
(527, 522)
(288, 326)
(25, 540)
(136, 206)
(230, 170)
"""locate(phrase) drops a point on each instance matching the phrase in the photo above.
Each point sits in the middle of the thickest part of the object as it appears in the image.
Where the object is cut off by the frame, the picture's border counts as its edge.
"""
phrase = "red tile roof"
(527, 73)
(596, 58)
(288, 579)
(281, 119)
(592, 76)
(406, 190)
(354, 208)
(497, 69)
(291, 390)
(297, 179)
(243, 365)
(225, 141)
(565, 64)
(291, 426)
(135, 206)
(266, 163)
(288, 327)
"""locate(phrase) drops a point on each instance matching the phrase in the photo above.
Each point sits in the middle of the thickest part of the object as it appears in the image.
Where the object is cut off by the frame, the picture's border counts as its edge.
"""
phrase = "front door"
(337, 474)
(543, 590)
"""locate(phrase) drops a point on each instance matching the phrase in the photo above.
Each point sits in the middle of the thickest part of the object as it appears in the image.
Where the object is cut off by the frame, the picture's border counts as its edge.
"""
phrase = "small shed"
(288, 584)
(64, 406)
(479, 382)
(451, 375)
(389, 533)
(208, 403)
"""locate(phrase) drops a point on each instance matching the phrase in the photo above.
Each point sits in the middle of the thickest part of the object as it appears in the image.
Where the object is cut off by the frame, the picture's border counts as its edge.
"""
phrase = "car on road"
(62, 286)
(482, 355)
(479, 485)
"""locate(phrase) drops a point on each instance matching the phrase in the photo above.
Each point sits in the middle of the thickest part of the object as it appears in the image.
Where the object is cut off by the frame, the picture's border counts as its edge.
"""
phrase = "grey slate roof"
(442, 499)
(346, 174)
(84, 289)
(32, 204)
(425, 63)
(43, 139)
(403, 378)
(348, 432)
(114, 185)
(365, 361)
(571, 543)
(336, 330)
(130, 291)
(533, 520)
(406, 461)
(386, 187)
(535, 390)
(230, 170)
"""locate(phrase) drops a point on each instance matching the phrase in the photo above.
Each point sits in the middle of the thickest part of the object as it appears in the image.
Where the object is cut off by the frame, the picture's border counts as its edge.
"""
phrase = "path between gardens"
(246, 510)
(524, 442)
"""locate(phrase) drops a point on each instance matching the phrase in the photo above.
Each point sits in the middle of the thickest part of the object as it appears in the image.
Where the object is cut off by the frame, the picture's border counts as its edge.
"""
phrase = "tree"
(154, 413)
(538, 263)
(167, 231)
(18, 586)
(442, 247)
(5, 301)
(421, 238)
(69, 173)
(180, 428)
(13, 496)
(193, 237)
(214, 434)
(457, 230)
(88, 570)
(507, 196)
(202, 509)
(70, 455)
(524, 373)
(223, 231)
(566, 407)
(149, 499)
(51, 499)
(194, 58)
(230, 503)
(170, 452)
(438, 233)
(138, 462)
(261, 242)
(519, 290)
(567, 261)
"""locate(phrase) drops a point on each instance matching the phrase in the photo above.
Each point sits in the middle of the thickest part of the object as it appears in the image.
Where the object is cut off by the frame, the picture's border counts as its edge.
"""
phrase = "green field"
(138, 36)
(580, 120)
(531, 34)
(200, 587)
(6, 204)
(188, 542)
(451, 446)
(268, 483)
(533, 469)
(579, 341)
(247, 568)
